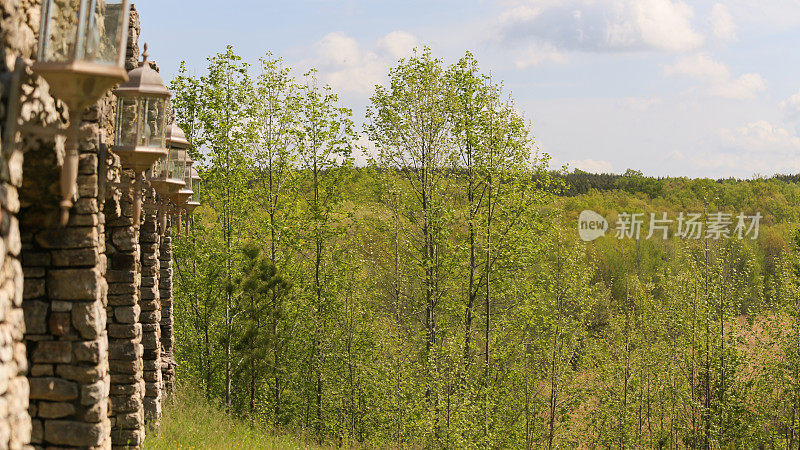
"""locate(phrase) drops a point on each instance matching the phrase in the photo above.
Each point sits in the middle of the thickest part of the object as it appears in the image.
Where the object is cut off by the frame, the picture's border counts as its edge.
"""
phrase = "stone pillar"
(167, 319)
(124, 329)
(124, 279)
(65, 296)
(149, 240)
(16, 39)
(15, 422)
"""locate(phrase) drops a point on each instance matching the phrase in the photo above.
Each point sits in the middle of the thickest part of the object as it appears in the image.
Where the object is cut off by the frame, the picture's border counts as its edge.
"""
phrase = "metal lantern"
(193, 202)
(183, 195)
(141, 123)
(166, 177)
(81, 54)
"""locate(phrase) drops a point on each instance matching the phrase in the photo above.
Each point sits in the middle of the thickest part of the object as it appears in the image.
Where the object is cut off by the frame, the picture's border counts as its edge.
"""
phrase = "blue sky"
(700, 89)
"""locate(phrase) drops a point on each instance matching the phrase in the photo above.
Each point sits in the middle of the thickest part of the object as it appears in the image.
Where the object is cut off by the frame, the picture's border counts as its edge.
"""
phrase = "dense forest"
(439, 296)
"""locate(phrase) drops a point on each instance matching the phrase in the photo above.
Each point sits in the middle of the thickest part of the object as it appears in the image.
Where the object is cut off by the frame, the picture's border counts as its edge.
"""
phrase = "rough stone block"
(74, 433)
(81, 374)
(62, 238)
(52, 352)
(124, 368)
(59, 323)
(89, 319)
(90, 351)
(97, 412)
(124, 331)
(95, 392)
(75, 284)
(55, 410)
(127, 314)
(121, 349)
(76, 257)
(33, 288)
(53, 389)
(35, 317)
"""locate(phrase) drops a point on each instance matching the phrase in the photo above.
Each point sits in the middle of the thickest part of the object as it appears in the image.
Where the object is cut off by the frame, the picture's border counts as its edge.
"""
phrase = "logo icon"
(591, 225)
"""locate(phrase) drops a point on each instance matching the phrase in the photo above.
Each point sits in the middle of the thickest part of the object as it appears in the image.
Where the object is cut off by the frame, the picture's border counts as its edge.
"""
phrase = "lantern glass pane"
(59, 30)
(161, 167)
(104, 31)
(83, 30)
(154, 117)
(128, 122)
(178, 164)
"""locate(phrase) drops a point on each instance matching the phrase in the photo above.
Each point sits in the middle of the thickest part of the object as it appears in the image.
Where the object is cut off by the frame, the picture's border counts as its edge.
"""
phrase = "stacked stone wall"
(81, 325)
(17, 39)
(168, 364)
(150, 241)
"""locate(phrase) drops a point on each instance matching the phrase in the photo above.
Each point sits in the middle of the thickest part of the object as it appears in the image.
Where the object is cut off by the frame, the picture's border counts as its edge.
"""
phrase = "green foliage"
(440, 297)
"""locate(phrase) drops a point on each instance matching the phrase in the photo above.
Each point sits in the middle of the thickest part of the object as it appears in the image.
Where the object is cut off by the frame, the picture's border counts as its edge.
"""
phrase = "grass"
(190, 422)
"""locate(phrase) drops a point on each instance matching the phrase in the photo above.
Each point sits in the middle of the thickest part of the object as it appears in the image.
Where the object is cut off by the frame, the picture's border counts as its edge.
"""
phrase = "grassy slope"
(190, 422)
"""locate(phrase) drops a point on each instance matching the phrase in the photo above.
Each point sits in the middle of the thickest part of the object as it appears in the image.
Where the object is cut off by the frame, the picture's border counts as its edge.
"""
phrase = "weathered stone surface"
(131, 420)
(122, 300)
(124, 350)
(89, 319)
(34, 288)
(53, 389)
(90, 351)
(127, 314)
(53, 352)
(124, 331)
(75, 433)
(125, 239)
(31, 258)
(55, 410)
(75, 284)
(82, 373)
(127, 437)
(94, 393)
(35, 317)
(76, 257)
(59, 323)
(61, 238)
(96, 413)
(41, 370)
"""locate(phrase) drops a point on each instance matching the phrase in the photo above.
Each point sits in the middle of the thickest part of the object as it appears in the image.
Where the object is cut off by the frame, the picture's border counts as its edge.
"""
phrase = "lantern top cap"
(195, 175)
(176, 137)
(143, 81)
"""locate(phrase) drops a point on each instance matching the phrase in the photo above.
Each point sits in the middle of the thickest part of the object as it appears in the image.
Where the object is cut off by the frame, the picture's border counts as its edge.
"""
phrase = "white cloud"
(747, 86)
(602, 25)
(699, 66)
(398, 44)
(338, 48)
(722, 25)
(539, 53)
(761, 136)
(718, 77)
(349, 68)
(591, 165)
(792, 104)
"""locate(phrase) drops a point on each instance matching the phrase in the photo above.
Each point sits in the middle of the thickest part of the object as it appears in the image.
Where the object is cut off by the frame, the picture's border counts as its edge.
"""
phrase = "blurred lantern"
(183, 195)
(141, 123)
(193, 202)
(81, 54)
(167, 174)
